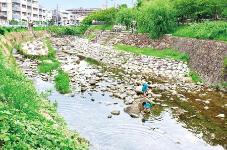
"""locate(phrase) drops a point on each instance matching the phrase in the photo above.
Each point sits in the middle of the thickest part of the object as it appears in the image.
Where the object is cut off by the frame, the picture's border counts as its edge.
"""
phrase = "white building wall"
(21, 10)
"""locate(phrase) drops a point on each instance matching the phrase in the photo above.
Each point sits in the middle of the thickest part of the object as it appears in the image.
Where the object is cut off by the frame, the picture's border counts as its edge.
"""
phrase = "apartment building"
(63, 17)
(71, 16)
(21, 11)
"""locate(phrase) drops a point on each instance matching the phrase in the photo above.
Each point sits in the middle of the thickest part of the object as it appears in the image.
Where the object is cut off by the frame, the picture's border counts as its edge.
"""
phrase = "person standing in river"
(145, 88)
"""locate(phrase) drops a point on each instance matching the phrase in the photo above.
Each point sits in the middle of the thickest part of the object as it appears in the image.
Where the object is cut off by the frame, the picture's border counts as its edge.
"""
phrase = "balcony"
(16, 8)
(29, 3)
(16, 16)
(16, 1)
(3, 16)
(4, 9)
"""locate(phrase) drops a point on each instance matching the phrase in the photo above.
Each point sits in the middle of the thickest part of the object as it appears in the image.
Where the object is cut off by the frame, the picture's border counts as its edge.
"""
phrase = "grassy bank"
(28, 121)
(214, 30)
(166, 53)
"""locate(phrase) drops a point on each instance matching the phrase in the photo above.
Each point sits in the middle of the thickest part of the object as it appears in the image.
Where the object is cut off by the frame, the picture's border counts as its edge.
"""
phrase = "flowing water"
(87, 113)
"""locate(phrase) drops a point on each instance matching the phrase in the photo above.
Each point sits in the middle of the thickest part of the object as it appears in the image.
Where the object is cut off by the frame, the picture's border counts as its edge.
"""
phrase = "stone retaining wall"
(18, 37)
(206, 56)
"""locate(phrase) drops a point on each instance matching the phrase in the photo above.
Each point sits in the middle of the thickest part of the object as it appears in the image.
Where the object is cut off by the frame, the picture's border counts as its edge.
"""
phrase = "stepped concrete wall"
(206, 56)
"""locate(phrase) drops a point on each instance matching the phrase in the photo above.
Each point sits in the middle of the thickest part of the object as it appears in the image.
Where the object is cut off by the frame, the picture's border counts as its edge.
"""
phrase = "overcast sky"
(66, 4)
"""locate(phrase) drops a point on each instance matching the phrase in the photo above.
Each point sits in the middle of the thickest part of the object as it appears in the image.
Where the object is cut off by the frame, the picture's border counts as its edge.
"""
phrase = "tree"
(125, 16)
(157, 19)
(107, 15)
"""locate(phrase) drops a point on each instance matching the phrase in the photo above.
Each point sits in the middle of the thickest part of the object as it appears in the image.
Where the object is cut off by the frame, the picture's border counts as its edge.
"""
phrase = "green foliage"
(106, 15)
(166, 53)
(199, 9)
(70, 30)
(49, 62)
(62, 82)
(16, 90)
(225, 61)
(157, 19)
(195, 77)
(215, 30)
(47, 66)
(27, 121)
(5, 30)
(100, 27)
(125, 16)
(13, 22)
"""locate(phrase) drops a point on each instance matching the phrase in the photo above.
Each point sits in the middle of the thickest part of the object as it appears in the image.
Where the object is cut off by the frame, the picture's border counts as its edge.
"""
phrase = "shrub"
(195, 77)
(156, 19)
(125, 16)
(199, 9)
(71, 30)
(107, 15)
(62, 82)
(214, 30)
(47, 66)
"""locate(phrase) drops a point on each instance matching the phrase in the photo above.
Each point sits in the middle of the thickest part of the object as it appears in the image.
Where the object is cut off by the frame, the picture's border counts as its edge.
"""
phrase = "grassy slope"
(166, 53)
(27, 120)
(214, 30)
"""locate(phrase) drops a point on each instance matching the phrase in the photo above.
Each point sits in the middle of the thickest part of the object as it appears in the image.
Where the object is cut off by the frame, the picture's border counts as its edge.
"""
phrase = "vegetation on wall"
(166, 53)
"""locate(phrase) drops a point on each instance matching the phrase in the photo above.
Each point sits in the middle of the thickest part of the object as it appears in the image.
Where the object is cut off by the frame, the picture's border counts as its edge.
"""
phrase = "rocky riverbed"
(119, 73)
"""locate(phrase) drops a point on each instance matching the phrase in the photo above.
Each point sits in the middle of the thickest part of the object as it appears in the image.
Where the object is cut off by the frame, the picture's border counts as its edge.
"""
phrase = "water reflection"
(89, 118)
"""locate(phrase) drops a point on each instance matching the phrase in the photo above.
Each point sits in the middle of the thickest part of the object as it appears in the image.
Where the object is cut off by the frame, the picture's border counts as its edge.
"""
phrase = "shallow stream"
(87, 113)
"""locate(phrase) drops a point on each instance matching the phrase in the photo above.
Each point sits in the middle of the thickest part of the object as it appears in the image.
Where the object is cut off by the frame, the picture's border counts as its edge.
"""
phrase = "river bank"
(28, 120)
(200, 108)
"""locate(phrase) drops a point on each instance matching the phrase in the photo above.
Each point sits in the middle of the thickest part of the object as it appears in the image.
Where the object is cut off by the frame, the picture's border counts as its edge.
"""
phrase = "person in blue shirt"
(147, 106)
(145, 88)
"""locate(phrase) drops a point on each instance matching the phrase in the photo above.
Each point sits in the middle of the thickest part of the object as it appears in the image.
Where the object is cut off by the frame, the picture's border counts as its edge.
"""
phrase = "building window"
(4, 5)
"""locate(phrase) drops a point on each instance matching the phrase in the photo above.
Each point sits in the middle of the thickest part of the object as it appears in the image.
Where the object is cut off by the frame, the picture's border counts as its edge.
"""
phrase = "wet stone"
(115, 112)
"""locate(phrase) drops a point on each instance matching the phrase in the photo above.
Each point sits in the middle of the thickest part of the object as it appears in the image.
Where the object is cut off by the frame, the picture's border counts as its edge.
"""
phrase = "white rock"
(221, 116)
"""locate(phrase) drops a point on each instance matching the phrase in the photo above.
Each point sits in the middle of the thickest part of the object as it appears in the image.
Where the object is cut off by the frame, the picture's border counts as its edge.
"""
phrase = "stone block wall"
(206, 56)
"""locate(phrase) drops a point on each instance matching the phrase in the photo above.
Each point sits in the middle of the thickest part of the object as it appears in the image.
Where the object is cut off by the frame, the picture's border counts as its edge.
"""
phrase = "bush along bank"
(28, 120)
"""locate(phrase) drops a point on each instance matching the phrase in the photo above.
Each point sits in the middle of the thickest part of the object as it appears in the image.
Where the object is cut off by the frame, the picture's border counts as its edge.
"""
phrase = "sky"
(67, 4)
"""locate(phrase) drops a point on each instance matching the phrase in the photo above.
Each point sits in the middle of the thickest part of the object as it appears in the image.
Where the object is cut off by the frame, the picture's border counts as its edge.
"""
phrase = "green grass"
(166, 53)
(70, 30)
(47, 66)
(214, 30)
(49, 62)
(27, 120)
(5, 30)
(62, 82)
(100, 27)
(225, 61)
(195, 77)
